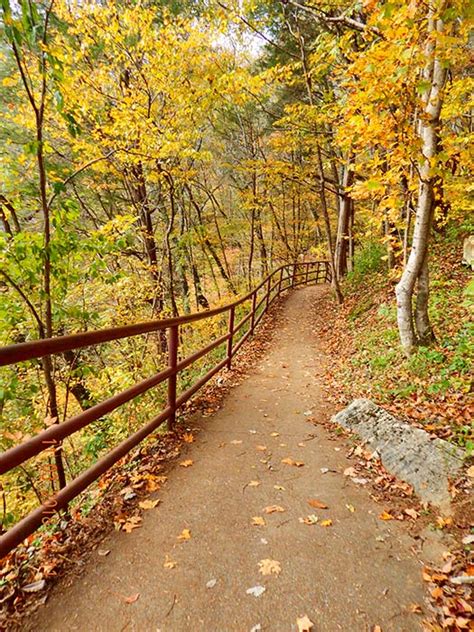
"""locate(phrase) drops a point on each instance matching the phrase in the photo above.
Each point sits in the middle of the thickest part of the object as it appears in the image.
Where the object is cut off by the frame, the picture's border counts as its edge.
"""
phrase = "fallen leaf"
(350, 471)
(385, 516)
(309, 520)
(256, 628)
(289, 461)
(326, 523)
(254, 484)
(236, 441)
(261, 448)
(360, 481)
(187, 463)
(280, 488)
(304, 624)
(132, 599)
(269, 567)
(412, 513)
(256, 591)
(415, 608)
(316, 504)
(34, 587)
(185, 535)
(448, 567)
(258, 521)
(376, 628)
(351, 508)
(273, 509)
(103, 552)
(274, 434)
(169, 563)
(437, 593)
(188, 437)
(211, 583)
(131, 524)
(148, 504)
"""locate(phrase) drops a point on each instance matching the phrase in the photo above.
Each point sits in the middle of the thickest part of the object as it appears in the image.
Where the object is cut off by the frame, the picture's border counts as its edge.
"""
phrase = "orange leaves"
(289, 461)
(187, 463)
(131, 524)
(316, 504)
(385, 516)
(273, 509)
(188, 437)
(258, 521)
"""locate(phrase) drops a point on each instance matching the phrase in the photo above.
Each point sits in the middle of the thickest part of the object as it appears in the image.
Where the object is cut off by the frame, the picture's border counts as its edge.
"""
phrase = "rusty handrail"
(313, 272)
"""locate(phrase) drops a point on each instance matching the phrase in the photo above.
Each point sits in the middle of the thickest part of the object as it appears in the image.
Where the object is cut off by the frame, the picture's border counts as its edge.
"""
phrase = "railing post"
(231, 333)
(294, 276)
(254, 304)
(328, 278)
(173, 341)
(280, 281)
(307, 274)
(317, 271)
(269, 284)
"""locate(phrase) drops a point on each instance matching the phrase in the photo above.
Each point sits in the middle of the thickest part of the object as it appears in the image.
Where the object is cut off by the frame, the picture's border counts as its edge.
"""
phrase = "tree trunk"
(435, 74)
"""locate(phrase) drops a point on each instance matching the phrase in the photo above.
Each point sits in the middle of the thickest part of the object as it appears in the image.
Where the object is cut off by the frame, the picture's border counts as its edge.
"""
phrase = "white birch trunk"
(435, 74)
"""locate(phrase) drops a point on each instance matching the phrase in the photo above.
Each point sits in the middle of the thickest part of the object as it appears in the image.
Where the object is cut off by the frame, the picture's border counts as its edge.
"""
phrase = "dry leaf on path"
(132, 598)
(412, 513)
(256, 591)
(273, 509)
(169, 563)
(385, 516)
(131, 524)
(148, 504)
(309, 520)
(258, 521)
(269, 567)
(326, 523)
(350, 471)
(253, 484)
(304, 624)
(184, 535)
(236, 441)
(261, 448)
(187, 463)
(274, 434)
(351, 508)
(280, 488)
(188, 437)
(289, 461)
(316, 504)
(34, 587)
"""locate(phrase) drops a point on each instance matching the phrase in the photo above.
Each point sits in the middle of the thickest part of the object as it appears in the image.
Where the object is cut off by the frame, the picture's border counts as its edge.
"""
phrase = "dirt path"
(355, 574)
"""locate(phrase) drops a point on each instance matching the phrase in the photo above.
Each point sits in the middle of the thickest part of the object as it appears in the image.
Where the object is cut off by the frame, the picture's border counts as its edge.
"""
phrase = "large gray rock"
(409, 453)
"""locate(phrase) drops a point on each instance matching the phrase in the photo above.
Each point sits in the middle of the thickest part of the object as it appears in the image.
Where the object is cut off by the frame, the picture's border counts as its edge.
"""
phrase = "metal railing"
(284, 278)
